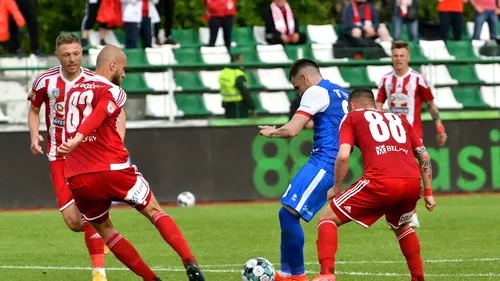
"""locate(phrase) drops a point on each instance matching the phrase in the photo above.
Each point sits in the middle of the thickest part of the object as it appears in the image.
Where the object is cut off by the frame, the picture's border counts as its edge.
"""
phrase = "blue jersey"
(327, 104)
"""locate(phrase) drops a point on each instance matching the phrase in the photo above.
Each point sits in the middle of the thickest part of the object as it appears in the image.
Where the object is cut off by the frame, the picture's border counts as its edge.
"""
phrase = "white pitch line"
(175, 269)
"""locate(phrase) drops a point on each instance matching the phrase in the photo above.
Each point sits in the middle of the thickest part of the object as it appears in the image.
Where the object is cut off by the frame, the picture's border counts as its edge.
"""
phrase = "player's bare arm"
(341, 168)
(289, 130)
(434, 112)
(34, 127)
(425, 164)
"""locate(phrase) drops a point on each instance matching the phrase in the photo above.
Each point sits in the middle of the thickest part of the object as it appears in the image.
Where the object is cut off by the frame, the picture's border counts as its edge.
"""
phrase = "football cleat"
(279, 276)
(193, 272)
(106, 250)
(325, 277)
(97, 276)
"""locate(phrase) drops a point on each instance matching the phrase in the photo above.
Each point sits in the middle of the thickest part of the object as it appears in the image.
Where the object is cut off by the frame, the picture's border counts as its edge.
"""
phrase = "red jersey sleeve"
(346, 131)
(38, 92)
(382, 95)
(112, 100)
(424, 90)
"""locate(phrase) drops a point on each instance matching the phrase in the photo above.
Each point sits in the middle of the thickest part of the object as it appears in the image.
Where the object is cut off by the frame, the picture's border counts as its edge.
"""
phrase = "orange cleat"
(279, 277)
(106, 249)
(97, 276)
(325, 277)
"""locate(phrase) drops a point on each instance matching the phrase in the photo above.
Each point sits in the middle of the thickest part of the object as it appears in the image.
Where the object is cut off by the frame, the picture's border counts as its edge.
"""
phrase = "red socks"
(172, 235)
(327, 245)
(127, 254)
(95, 245)
(410, 246)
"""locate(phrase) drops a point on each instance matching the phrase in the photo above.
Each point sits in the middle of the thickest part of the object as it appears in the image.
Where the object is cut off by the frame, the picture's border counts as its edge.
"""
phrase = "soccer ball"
(258, 269)
(186, 199)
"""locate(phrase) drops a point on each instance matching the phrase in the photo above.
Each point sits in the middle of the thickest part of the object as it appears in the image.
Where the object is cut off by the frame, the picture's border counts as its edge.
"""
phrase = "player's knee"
(402, 228)
(74, 224)
(287, 210)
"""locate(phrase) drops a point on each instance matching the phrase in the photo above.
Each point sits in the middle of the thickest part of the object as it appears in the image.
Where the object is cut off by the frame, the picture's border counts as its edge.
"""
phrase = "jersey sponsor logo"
(54, 93)
(138, 193)
(90, 139)
(400, 110)
(399, 98)
(59, 107)
(406, 218)
(307, 211)
(58, 122)
(87, 85)
(111, 107)
(383, 149)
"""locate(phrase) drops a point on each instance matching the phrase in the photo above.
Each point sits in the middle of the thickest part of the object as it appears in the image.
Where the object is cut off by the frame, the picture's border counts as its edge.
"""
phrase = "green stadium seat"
(356, 76)
(253, 83)
(469, 97)
(191, 105)
(461, 49)
(186, 37)
(136, 57)
(243, 36)
(258, 106)
(135, 83)
(292, 95)
(188, 55)
(249, 53)
(292, 51)
(464, 73)
(415, 52)
(189, 81)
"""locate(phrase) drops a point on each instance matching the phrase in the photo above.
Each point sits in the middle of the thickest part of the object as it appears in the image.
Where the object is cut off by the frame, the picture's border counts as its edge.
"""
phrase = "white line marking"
(178, 269)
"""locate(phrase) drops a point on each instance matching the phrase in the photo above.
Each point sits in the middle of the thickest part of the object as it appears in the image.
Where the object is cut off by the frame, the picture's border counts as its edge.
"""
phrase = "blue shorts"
(307, 191)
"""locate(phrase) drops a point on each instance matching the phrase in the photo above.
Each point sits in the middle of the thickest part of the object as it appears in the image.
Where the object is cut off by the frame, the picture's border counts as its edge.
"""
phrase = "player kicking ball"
(98, 170)
(50, 87)
(326, 103)
(390, 187)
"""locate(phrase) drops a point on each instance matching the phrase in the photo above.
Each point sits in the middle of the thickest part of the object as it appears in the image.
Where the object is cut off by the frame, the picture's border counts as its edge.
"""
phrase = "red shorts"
(94, 192)
(367, 200)
(63, 194)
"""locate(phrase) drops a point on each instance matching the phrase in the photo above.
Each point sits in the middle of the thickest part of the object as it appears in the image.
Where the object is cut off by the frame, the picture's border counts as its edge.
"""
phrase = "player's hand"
(332, 192)
(65, 148)
(35, 147)
(430, 202)
(266, 131)
(441, 138)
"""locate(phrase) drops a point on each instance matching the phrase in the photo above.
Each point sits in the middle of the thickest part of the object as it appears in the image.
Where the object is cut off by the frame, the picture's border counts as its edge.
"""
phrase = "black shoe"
(85, 42)
(158, 279)
(102, 42)
(170, 41)
(193, 272)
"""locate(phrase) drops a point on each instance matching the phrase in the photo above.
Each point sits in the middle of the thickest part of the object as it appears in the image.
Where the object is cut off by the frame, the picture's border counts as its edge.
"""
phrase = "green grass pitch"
(459, 240)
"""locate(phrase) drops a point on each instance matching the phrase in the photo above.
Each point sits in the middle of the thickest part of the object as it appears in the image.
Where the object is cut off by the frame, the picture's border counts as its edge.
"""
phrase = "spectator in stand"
(282, 27)
(137, 16)
(167, 8)
(89, 20)
(485, 11)
(405, 12)
(451, 12)
(360, 20)
(220, 13)
(9, 8)
(28, 10)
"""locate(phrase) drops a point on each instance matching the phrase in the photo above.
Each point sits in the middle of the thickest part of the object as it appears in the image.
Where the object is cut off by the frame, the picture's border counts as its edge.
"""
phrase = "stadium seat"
(186, 37)
(438, 75)
(375, 72)
(485, 31)
(189, 81)
(215, 55)
(249, 53)
(489, 73)
(332, 73)
(445, 99)
(435, 50)
(294, 51)
(469, 97)
(273, 79)
(204, 34)
(386, 45)
(356, 76)
(415, 51)
(385, 106)
(31, 61)
(135, 83)
(460, 49)
(322, 34)
(324, 53)
(160, 82)
(213, 103)
(243, 36)
(253, 82)
(258, 106)
(491, 95)
(210, 79)
(191, 105)
(464, 74)
(259, 33)
(93, 52)
(136, 57)
(163, 55)
(3, 118)
(111, 39)
(161, 106)
(272, 54)
(275, 102)
(187, 55)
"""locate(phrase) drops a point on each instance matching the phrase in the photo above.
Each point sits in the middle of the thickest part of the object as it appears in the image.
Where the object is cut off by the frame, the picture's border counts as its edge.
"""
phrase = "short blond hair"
(67, 38)
(400, 45)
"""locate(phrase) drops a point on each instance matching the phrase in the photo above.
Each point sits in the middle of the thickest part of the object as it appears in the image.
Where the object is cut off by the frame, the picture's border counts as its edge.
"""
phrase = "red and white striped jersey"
(405, 95)
(50, 87)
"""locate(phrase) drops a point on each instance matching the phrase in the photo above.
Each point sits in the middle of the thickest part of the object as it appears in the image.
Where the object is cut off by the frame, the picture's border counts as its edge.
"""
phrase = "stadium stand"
(461, 77)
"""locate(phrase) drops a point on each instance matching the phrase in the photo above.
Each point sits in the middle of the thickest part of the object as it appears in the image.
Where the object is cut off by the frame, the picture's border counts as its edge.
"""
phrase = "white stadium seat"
(259, 33)
(491, 95)
(444, 98)
(375, 72)
(322, 34)
(160, 82)
(161, 106)
(160, 56)
(210, 79)
(274, 79)
(272, 53)
(485, 31)
(213, 103)
(438, 75)
(275, 102)
(435, 50)
(215, 55)
(332, 73)
(489, 73)
(324, 53)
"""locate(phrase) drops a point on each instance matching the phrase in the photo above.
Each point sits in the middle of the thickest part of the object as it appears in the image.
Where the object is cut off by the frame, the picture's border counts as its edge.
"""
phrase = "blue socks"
(292, 243)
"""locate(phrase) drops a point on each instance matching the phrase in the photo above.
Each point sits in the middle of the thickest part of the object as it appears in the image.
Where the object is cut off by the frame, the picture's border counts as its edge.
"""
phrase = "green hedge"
(57, 15)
